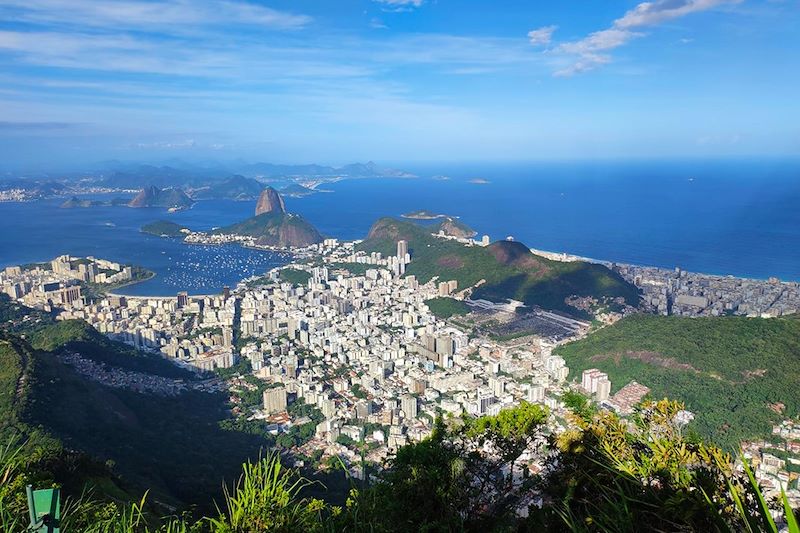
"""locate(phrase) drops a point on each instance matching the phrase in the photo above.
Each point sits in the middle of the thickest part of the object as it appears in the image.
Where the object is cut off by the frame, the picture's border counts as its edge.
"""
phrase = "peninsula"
(273, 226)
(165, 228)
(423, 214)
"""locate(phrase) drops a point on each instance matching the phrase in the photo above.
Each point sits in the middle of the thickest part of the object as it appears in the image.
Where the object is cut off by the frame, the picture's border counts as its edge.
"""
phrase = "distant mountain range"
(236, 187)
(237, 180)
(234, 176)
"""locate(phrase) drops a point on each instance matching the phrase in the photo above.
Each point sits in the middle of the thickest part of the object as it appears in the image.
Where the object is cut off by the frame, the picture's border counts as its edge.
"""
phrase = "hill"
(75, 202)
(173, 445)
(508, 269)
(164, 228)
(422, 214)
(234, 188)
(154, 197)
(452, 227)
(276, 229)
(273, 226)
(734, 373)
(447, 307)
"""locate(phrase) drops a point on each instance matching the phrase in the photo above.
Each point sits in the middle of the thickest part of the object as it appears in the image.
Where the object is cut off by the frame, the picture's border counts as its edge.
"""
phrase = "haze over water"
(737, 218)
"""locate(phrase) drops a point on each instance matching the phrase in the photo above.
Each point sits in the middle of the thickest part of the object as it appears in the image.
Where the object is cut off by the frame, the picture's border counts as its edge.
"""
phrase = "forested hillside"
(738, 375)
(508, 269)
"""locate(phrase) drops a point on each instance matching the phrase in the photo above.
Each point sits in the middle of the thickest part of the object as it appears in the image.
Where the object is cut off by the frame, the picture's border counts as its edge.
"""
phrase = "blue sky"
(397, 80)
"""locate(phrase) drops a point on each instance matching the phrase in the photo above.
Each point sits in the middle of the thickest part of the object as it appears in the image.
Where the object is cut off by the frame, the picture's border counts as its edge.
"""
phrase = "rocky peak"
(270, 202)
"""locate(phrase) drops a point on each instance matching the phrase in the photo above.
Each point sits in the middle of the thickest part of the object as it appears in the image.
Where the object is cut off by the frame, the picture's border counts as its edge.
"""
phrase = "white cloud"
(148, 15)
(542, 36)
(586, 63)
(652, 13)
(399, 6)
(592, 51)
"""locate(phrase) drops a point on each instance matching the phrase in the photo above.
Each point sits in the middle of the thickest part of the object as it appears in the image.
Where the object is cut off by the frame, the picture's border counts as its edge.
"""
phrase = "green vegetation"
(276, 229)
(422, 214)
(235, 188)
(154, 197)
(508, 269)
(447, 307)
(603, 474)
(606, 474)
(96, 290)
(453, 227)
(738, 375)
(356, 269)
(141, 438)
(75, 202)
(294, 276)
(243, 367)
(296, 190)
(212, 330)
(164, 228)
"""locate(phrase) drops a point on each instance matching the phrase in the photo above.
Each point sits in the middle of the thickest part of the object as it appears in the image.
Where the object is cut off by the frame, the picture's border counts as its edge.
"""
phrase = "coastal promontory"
(152, 196)
(75, 202)
(273, 226)
(453, 227)
(165, 228)
(270, 202)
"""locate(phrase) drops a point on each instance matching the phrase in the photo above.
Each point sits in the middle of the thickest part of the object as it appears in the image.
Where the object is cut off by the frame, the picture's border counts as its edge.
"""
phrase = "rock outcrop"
(276, 229)
(455, 228)
(152, 196)
(273, 226)
(270, 202)
(77, 202)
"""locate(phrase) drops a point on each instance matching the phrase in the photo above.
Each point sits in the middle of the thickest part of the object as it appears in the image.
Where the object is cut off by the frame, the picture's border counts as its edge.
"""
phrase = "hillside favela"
(388, 266)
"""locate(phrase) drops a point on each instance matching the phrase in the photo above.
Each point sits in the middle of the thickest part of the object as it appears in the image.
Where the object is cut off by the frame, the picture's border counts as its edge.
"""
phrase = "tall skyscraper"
(402, 250)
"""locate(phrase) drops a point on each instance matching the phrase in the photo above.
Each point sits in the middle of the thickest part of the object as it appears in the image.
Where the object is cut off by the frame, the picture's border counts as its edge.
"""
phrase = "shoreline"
(571, 258)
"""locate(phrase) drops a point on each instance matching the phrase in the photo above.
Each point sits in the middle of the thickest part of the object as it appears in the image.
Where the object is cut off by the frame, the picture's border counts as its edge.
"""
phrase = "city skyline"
(396, 80)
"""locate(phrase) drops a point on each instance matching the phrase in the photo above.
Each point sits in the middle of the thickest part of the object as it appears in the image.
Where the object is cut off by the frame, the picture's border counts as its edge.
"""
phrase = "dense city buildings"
(345, 334)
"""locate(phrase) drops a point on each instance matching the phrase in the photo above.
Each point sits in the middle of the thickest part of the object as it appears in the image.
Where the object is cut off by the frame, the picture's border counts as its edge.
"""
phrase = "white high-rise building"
(402, 250)
(408, 404)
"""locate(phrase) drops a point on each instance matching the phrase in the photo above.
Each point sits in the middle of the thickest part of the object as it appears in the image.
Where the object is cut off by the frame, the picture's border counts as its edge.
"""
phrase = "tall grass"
(267, 498)
(11, 516)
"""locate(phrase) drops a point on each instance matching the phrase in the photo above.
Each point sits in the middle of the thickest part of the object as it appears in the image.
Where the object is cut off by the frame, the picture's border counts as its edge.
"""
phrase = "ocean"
(738, 218)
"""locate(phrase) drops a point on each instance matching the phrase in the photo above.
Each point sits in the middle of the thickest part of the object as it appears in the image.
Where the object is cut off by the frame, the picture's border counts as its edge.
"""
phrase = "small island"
(173, 198)
(76, 202)
(422, 214)
(164, 228)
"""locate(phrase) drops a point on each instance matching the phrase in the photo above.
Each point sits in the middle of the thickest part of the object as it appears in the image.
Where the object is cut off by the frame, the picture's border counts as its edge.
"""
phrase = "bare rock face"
(270, 202)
